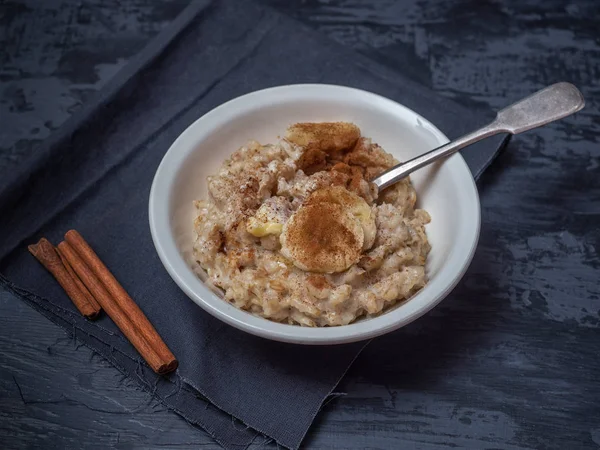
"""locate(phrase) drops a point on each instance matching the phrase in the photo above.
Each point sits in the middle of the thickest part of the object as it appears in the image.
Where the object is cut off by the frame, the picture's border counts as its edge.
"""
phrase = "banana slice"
(351, 203)
(325, 136)
(322, 237)
(262, 229)
(269, 218)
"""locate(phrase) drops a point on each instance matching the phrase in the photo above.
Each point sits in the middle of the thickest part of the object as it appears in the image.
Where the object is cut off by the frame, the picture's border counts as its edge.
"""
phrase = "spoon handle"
(547, 105)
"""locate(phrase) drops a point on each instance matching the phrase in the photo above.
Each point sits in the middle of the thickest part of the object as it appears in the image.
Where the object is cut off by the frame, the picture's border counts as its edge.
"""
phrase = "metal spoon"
(552, 103)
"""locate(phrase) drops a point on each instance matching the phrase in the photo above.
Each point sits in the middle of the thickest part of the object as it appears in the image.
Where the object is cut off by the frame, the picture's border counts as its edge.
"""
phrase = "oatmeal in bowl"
(213, 257)
(295, 232)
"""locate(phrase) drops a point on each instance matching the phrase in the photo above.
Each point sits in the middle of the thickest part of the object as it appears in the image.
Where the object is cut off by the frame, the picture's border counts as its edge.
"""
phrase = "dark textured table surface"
(509, 361)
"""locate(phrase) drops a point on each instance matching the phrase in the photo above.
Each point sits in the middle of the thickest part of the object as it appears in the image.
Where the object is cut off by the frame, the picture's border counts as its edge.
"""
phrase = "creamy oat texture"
(296, 233)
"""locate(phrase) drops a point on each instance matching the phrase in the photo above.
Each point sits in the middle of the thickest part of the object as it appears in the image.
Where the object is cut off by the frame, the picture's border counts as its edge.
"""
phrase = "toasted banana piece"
(324, 136)
(322, 237)
(351, 203)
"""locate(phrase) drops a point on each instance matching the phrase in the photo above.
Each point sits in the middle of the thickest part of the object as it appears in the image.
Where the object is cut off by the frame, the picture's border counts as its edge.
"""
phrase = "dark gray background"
(520, 372)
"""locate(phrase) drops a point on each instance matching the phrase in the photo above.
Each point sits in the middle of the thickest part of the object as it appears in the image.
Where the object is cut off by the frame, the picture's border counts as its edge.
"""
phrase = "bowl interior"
(446, 190)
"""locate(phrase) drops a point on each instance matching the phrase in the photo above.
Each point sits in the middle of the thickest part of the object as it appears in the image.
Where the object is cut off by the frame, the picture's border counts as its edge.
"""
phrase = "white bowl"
(446, 190)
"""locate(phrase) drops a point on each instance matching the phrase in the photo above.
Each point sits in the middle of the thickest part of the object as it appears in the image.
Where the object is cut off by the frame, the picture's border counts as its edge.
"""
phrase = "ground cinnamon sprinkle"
(342, 168)
(321, 238)
(318, 281)
(313, 160)
(355, 182)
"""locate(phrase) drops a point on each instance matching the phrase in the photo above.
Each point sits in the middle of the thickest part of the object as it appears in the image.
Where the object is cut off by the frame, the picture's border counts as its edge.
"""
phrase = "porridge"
(295, 231)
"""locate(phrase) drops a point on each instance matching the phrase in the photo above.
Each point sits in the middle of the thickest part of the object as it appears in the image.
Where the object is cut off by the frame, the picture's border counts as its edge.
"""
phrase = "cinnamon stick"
(90, 298)
(112, 308)
(117, 304)
(46, 254)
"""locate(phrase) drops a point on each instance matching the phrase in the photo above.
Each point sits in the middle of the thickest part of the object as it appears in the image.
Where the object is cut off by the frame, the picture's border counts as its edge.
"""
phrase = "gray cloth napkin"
(94, 175)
